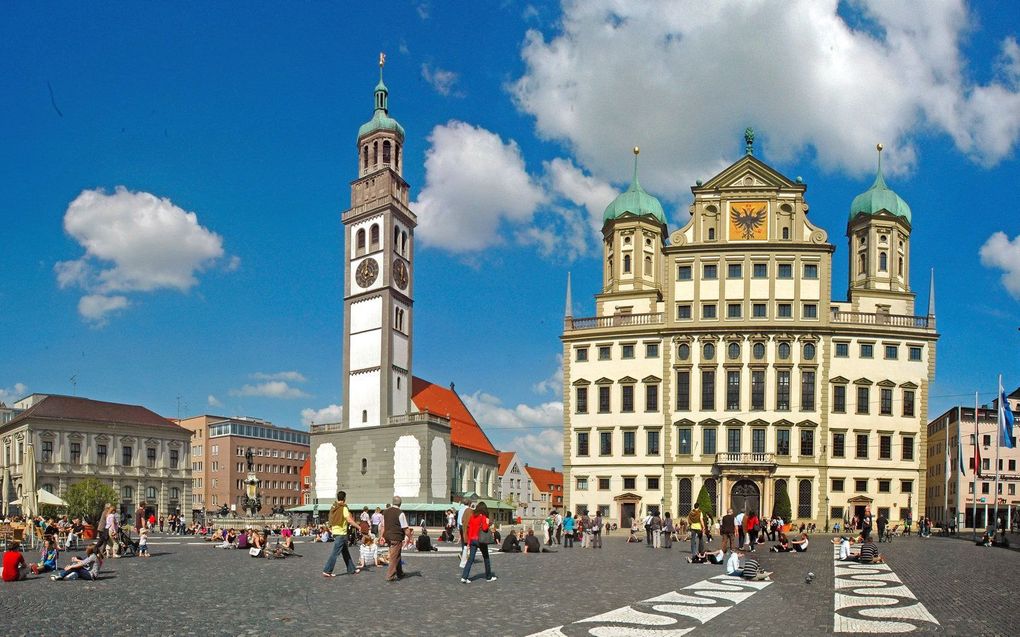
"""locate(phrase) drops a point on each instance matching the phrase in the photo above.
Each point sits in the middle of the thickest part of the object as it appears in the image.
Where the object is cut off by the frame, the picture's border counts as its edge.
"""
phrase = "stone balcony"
(882, 318)
(753, 460)
(616, 320)
(413, 418)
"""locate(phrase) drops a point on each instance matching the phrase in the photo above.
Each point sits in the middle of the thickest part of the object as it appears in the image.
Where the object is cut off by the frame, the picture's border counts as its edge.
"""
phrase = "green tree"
(705, 502)
(87, 498)
(783, 508)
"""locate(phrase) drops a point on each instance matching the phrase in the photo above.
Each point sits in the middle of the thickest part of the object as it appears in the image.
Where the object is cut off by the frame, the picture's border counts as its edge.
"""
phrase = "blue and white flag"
(959, 455)
(1005, 421)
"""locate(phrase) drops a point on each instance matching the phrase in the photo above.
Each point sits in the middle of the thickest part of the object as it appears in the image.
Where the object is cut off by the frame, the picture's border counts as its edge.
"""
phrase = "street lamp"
(826, 514)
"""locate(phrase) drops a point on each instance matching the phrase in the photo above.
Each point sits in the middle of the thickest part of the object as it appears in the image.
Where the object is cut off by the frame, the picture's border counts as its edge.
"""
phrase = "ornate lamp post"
(827, 514)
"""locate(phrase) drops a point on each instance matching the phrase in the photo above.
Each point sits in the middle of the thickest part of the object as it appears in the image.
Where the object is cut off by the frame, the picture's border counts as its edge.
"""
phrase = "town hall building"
(716, 358)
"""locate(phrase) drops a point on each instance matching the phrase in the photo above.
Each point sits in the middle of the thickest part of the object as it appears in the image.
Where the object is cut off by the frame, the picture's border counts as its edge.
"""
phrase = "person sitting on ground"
(869, 554)
(986, 540)
(257, 541)
(14, 566)
(511, 544)
(229, 540)
(753, 571)
(634, 537)
(48, 558)
(531, 543)
(800, 545)
(215, 537)
(369, 555)
(87, 568)
(783, 546)
(424, 542)
(712, 557)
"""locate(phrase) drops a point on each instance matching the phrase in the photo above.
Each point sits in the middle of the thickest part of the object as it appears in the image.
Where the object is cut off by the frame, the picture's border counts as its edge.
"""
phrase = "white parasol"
(6, 491)
(29, 503)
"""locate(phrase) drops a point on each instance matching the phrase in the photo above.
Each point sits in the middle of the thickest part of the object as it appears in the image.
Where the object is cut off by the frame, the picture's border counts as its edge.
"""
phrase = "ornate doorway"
(745, 496)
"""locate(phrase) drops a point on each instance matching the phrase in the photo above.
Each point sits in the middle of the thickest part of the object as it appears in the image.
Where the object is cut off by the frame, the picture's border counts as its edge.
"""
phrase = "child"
(143, 543)
(14, 567)
(48, 561)
(369, 554)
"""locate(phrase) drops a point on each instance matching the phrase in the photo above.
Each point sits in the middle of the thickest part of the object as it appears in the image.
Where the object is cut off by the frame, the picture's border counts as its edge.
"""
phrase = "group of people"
(256, 541)
(16, 568)
(390, 531)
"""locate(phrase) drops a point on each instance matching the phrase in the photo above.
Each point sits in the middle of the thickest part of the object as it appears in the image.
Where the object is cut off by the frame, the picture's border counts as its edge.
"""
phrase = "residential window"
(582, 484)
(734, 271)
(809, 351)
(908, 448)
(861, 485)
(150, 457)
(757, 441)
(47, 451)
(784, 310)
(604, 352)
(708, 311)
(708, 440)
(804, 499)
(604, 399)
(784, 271)
(884, 486)
(892, 352)
(582, 443)
(733, 310)
(683, 273)
(886, 401)
(908, 402)
(581, 354)
(839, 399)
(733, 440)
(683, 391)
(842, 350)
(758, 389)
(629, 445)
(629, 483)
(885, 447)
(733, 351)
(807, 443)
(708, 390)
(126, 456)
(651, 397)
(807, 391)
(581, 400)
(784, 351)
(652, 442)
(862, 446)
(710, 271)
(75, 453)
(838, 484)
(603, 484)
(838, 445)
(627, 351)
(101, 455)
(684, 440)
(867, 350)
(627, 395)
(760, 271)
(758, 351)
(810, 270)
(733, 390)
(759, 310)
(683, 312)
(651, 350)
(915, 353)
(906, 486)
(810, 310)
(783, 390)
(708, 352)
(783, 442)
(605, 443)
(653, 483)
(862, 399)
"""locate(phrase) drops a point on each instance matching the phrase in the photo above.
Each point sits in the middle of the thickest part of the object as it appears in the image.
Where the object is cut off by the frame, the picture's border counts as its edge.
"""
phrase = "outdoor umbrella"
(29, 505)
(6, 490)
(45, 497)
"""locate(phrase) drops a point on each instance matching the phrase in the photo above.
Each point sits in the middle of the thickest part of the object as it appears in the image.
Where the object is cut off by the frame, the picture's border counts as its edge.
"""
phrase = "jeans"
(339, 546)
(596, 539)
(76, 574)
(648, 535)
(667, 538)
(568, 540)
(475, 547)
(697, 543)
(753, 537)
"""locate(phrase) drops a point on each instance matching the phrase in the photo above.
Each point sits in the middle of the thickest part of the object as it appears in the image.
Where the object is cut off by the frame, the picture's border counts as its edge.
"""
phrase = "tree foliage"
(783, 507)
(705, 502)
(87, 498)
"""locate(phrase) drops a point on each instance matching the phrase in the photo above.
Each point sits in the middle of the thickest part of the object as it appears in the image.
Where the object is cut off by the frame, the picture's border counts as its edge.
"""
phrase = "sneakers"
(54, 577)
(465, 580)
(491, 579)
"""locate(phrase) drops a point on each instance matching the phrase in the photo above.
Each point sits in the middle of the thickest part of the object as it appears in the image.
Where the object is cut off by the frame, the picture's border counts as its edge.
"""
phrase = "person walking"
(140, 517)
(463, 520)
(752, 522)
(395, 530)
(696, 525)
(866, 524)
(479, 537)
(647, 523)
(667, 531)
(882, 522)
(112, 529)
(656, 527)
(738, 521)
(568, 530)
(596, 531)
(727, 530)
(339, 519)
(558, 521)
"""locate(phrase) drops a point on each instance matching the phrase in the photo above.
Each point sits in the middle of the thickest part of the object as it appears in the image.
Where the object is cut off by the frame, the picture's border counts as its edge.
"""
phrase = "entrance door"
(745, 496)
(627, 512)
(859, 513)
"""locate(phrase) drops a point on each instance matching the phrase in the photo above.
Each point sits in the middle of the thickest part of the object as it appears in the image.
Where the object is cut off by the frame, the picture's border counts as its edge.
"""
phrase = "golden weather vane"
(382, 59)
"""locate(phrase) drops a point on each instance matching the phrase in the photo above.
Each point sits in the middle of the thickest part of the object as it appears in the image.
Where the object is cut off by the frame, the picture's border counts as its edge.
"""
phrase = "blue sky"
(120, 121)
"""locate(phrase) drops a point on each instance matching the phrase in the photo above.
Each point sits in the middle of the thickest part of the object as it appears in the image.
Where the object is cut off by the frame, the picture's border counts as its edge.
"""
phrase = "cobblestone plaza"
(935, 585)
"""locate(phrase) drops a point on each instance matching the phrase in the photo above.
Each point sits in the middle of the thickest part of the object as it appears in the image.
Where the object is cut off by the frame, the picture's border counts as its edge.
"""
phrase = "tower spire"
(879, 178)
(931, 294)
(568, 310)
(634, 183)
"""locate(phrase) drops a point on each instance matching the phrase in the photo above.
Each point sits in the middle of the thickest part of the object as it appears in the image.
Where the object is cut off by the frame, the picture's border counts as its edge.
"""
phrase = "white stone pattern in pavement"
(671, 615)
(870, 598)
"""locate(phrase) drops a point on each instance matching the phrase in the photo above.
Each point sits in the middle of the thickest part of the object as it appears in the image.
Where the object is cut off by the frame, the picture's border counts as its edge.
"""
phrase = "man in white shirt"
(648, 530)
(739, 521)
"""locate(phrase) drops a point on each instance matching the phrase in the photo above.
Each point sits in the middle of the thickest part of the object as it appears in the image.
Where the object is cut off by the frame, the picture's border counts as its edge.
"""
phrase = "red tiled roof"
(443, 401)
(545, 479)
(504, 461)
(56, 407)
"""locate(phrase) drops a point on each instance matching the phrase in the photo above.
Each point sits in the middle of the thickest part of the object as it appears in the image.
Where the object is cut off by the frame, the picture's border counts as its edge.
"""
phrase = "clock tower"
(378, 282)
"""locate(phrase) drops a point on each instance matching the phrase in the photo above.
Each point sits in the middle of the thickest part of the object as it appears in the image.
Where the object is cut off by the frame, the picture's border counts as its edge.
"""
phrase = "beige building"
(219, 467)
(142, 455)
(716, 358)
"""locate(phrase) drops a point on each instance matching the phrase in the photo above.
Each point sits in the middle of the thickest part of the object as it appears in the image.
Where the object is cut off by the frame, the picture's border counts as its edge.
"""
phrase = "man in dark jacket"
(728, 530)
(395, 530)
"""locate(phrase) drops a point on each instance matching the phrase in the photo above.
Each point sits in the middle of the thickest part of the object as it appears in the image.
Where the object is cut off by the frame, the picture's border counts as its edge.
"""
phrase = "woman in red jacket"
(479, 522)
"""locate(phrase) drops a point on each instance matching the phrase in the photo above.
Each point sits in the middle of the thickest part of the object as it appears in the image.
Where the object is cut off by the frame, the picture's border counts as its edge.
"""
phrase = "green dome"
(634, 201)
(381, 119)
(879, 197)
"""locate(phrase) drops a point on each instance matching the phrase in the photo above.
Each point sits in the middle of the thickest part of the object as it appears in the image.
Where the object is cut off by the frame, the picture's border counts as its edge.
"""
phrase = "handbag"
(254, 552)
(485, 537)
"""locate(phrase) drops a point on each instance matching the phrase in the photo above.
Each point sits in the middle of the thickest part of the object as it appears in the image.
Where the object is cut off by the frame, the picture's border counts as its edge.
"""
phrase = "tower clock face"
(368, 270)
(400, 275)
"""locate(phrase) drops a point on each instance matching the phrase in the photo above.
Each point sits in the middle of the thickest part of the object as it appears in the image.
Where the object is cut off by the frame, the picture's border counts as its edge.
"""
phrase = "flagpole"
(977, 470)
(959, 467)
(946, 468)
(998, 443)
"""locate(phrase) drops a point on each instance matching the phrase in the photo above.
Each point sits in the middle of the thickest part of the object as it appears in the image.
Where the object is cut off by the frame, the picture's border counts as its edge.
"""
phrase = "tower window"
(626, 263)
(711, 234)
(364, 466)
(396, 157)
(396, 238)
(361, 240)
(375, 153)
(648, 265)
(883, 262)
(364, 157)
(374, 236)
(403, 243)
(786, 233)
(862, 266)
(364, 415)
(899, 267)
(386, 147)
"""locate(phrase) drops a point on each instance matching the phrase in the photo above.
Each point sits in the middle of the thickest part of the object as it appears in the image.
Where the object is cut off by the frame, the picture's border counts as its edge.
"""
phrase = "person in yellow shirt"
(696, 524)
(339, 518)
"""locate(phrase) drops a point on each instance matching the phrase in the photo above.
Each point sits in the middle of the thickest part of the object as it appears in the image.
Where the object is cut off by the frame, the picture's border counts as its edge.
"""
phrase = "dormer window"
(626, 263)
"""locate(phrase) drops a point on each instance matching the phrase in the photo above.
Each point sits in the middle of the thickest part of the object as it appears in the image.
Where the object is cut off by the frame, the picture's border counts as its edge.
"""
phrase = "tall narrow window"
(908, 402)
(386, 147)
(627, 393)
(807, 391)
(373, 237)
(807, 443)
(603, 400)
(582, 443)
(364, 157)
(783, 390)
(375, 153)
(804, 499)
(626, 263)
(708, 440)
(733, 440)
(708, 389)
(652, 442)
(758, 441)
(883, 262)
(75, 453)
(683, 391)
(733, 390)
(862, 400)
(581, 402)
(839, 399)
(886, 402)
(783, 442)
(758, 389)
(686, 495)
(683, 436)
(651, 398)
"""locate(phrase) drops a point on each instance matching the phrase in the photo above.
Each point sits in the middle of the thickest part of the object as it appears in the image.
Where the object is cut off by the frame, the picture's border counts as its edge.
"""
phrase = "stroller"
(128, 546)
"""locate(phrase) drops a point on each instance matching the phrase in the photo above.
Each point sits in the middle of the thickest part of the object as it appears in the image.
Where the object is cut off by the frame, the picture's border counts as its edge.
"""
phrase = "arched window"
(711, 234)
(899, 267)
(684, 492)
(883, 262)
(648, 265)
(710, 486)
(786, 233)
(759, 351)
(610, 268)
(784, 351)
(364, 157)
(49, 487)
(364, 466)
(708, 351)
(386, 152)
(373, 236)
(804, 499)
(375, 153)
(364, 415)
(396, 238)
(150, 493)
(403, 243)
(626, 263)
(780, 487)
(809, 351)
(396, 158)
(360, 242)
(398, 382)
(733, 350)
(175, 493)
(862, 266)
(126, 493)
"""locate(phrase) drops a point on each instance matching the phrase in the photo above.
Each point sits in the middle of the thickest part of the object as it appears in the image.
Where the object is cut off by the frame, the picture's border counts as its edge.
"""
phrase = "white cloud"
(999, 252)
(332, 413)
(554, 383)
(213, 401)
(489, 411)
(270, 389)
(442, 80)
(474, 182)
(134, 242)
(293, 377)
(543, 448)
(11, 394)
(683, 79)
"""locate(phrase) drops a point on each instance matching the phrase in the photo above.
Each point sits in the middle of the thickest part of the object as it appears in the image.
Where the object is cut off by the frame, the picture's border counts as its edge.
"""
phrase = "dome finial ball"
(879, 147)
(637, 149)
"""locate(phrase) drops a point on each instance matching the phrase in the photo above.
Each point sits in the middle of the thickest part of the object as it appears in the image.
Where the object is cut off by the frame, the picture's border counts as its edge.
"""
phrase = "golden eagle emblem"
(747, 220)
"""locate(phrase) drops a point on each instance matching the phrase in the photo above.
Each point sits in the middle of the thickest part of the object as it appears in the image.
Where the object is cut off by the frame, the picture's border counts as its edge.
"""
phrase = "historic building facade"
(717, 359)
(143, 456)
(398, 435)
